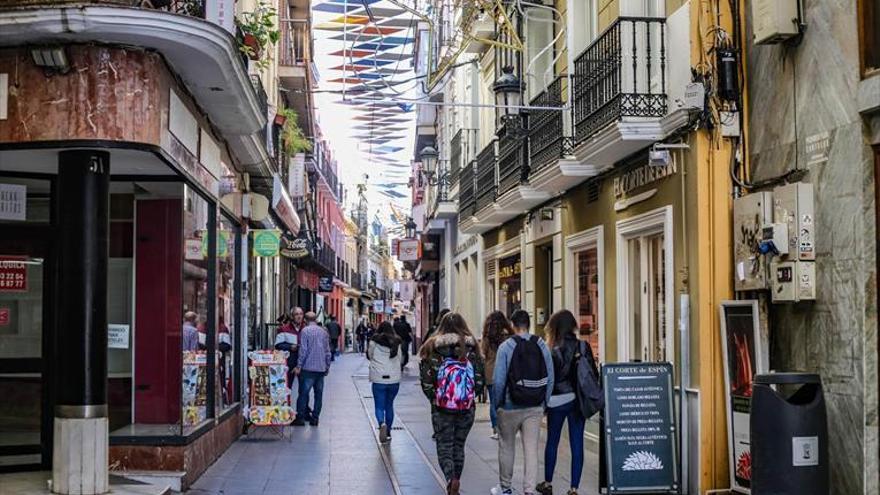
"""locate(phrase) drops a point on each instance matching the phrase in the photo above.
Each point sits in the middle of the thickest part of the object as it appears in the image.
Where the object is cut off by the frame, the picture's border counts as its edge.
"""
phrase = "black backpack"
(527, 374)
(588, 389)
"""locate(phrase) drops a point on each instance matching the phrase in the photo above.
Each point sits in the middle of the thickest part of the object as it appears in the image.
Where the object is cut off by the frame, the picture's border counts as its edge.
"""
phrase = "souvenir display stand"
(269, 398)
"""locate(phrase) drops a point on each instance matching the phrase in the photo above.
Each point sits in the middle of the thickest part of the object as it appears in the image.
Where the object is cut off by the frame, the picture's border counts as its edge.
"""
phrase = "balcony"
(486, 183)
(463, 150)
(467, 201)
(295, 69)
(553, 167)
(204, 55)
(620, 91)
(443, 205)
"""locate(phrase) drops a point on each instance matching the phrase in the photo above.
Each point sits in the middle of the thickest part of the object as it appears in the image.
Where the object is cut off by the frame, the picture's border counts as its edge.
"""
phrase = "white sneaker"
(383, 433)
(497, 490)
(494, 435)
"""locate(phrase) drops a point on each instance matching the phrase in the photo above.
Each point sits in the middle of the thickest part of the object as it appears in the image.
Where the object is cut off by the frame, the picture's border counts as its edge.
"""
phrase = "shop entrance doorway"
(25, 337)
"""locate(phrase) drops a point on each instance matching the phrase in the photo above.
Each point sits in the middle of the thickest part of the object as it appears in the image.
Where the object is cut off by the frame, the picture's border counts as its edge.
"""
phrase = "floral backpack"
(454, 387)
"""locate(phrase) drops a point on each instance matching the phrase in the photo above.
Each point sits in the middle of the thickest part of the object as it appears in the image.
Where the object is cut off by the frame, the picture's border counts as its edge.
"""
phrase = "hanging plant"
(295, 141)
(259, 31)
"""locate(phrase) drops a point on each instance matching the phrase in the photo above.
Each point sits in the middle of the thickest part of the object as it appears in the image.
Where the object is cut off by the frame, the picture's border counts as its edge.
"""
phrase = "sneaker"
(298, 422)
(383, 433)
(494, 435)
(573, 491)
(497, 490)
(544, 488)
(314, 422)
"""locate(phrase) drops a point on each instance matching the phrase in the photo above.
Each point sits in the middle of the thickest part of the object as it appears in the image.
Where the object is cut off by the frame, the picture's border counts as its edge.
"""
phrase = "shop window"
(587, 303)
(644, 278)
(510, 284)
(869, 30)
(24, 200)
(227, 263)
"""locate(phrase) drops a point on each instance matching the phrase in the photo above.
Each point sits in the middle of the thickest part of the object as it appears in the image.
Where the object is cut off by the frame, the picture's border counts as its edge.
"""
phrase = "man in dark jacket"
(404, 331)
(334, 330)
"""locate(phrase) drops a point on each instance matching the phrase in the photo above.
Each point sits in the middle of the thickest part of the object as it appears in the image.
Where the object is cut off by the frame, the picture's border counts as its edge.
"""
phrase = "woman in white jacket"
(383, 352)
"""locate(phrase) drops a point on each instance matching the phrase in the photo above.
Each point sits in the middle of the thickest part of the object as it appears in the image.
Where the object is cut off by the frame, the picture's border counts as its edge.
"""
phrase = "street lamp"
(410, 227)
(429, 160)
(508, 96)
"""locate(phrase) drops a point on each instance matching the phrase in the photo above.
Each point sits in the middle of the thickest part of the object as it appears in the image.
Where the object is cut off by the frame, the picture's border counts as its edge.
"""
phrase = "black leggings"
(451, 431)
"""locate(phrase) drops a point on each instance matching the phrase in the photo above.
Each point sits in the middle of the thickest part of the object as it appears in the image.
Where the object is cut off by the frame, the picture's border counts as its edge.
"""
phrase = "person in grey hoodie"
(383, 351)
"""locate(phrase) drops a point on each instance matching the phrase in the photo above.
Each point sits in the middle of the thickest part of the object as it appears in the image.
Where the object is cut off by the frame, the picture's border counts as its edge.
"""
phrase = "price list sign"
(640, 434)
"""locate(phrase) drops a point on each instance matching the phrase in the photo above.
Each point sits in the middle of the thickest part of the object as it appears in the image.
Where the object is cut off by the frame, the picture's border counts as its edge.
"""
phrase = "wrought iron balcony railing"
(463, 150)
(295, 43)
(621, 74)
(486, 184)
(513, 167)
(467, 205)
(547, 139)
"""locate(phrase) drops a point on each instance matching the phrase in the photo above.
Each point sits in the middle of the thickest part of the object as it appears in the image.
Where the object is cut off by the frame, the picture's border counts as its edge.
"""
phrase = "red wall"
(158, 305)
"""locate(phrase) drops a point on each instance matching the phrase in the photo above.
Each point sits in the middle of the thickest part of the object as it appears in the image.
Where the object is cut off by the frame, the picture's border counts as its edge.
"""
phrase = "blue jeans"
(308, 381)
(576, 422)
(493, 414)
(383, 399)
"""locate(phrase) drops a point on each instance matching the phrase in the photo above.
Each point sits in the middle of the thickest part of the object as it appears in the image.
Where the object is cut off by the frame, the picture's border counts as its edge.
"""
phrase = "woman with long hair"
(496, 329)
(566, 348)
(383, 352)
(450, 371)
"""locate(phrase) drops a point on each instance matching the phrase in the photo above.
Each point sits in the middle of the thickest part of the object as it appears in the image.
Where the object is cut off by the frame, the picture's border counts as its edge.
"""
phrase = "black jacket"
(564, 365)
(403, 330)
(333, 329)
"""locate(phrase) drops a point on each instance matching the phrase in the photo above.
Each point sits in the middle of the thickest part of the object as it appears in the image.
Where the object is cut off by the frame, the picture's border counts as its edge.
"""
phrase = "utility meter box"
(775, 20)
(750, 214)
(792, 281)
(793, 206)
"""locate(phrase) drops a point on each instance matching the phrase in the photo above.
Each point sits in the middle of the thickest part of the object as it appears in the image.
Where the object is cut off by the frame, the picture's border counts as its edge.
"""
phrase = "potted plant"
(295, 141)
(258, 30)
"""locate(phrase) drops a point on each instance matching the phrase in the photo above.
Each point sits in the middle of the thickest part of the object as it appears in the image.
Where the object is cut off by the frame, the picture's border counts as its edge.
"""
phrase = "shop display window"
(510, 284)
(227, 275)
(588, 308)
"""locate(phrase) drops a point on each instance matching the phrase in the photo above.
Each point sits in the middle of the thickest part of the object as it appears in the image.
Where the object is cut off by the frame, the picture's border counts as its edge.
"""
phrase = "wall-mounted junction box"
(750, 214)
(793, 281)
(793, 206)
(775, 20)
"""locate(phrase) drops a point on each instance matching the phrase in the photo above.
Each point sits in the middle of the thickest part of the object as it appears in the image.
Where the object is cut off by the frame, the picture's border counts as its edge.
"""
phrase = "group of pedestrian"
(310, 351)
(526, 376)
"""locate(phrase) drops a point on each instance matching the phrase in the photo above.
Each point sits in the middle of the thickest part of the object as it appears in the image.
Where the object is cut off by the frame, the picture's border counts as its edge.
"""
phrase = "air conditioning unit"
(775, 20)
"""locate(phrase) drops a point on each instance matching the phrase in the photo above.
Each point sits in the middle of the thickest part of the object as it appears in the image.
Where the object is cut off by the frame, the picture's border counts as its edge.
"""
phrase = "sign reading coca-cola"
(295, 247)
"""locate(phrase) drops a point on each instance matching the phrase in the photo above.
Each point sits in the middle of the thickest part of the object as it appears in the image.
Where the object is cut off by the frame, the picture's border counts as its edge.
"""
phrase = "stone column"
(79, 460)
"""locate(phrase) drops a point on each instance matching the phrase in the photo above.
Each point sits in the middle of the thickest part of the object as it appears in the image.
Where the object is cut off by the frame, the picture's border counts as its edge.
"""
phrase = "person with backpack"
(496, 329)
(522, 388)
(450, 372)
(383, 352)
(569, 353)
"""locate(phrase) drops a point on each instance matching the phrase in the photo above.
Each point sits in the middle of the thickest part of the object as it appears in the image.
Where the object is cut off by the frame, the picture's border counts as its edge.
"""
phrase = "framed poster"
(744, 348)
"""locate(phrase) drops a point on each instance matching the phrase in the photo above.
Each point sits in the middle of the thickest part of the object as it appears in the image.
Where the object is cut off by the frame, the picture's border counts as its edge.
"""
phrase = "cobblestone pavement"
(342, 456)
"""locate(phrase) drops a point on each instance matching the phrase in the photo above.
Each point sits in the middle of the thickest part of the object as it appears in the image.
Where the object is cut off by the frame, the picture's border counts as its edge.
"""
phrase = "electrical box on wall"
(751, 213)
(793, 281)
(775, 20)
(793, 206)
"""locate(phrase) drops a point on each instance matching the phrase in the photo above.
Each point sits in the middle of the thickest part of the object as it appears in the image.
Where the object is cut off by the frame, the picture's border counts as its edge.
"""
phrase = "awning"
(365, 299)
(354, 293)
(284, 207)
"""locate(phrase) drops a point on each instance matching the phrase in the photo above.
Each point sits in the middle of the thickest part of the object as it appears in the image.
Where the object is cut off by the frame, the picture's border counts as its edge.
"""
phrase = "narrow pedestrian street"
(342, 456)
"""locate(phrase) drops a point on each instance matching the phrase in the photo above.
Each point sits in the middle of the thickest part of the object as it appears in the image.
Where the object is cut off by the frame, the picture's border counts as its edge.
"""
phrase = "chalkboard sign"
(325, 284)
(640, 434)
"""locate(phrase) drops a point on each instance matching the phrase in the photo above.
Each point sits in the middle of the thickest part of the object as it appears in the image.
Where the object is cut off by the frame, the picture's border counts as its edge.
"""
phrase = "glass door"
(647, 283)
(24, 415)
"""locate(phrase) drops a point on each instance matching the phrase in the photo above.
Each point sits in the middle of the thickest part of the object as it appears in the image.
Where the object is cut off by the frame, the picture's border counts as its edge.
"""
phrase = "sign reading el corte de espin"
(640, 435)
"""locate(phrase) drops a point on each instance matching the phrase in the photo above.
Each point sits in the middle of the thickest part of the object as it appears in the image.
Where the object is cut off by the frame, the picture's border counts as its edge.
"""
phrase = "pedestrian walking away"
(384, 354)
(404, 331)
(523, 387)
(312, 366)
(334, 331)
(450, 371)
(496, 329)
(565, 348)
(360, 333)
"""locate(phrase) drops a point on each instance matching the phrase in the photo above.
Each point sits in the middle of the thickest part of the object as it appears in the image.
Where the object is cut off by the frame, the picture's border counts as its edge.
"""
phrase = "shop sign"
(117, 336)
(469, 243)
(325, 284)
(4, 317)
(13, 274)
(13, 202)
(266, 243)
(193, 249)
(395, 246)
(641, 176)
(640, 436)
(744, 349)
(409, 250)
(295, 247)
(222, 13)
(379, 306)
(509, 267)
(223, 238)
(407, 290)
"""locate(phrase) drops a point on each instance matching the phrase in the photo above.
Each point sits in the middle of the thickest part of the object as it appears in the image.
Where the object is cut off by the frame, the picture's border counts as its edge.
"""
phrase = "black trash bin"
(789, 435)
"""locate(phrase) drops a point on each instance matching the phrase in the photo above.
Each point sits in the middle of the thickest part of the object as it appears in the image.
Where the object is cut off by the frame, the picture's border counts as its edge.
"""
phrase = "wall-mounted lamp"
(51, 58)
